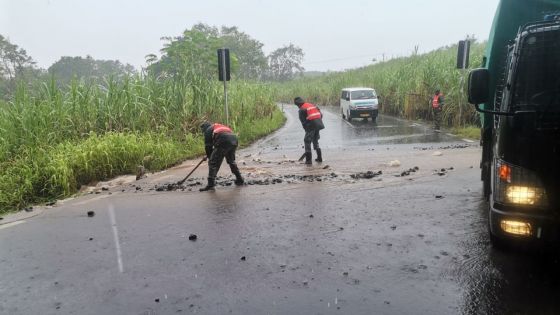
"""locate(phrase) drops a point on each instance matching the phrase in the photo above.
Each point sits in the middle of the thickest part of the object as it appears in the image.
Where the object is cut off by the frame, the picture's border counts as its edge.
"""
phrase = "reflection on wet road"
(386, 130)
(339, 133)
(512, 281)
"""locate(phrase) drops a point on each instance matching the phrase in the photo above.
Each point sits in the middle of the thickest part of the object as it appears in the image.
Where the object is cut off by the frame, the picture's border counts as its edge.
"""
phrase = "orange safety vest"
(312, 111)
(218, 129)
(435, 101)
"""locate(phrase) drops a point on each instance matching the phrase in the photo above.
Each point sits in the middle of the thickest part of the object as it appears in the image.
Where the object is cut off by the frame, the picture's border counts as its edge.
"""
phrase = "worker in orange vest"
(437, 107)
(312, 121)
(219, 142)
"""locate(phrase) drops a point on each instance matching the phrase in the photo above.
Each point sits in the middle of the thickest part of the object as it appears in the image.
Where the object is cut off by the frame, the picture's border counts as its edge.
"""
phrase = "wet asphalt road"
(394, 243)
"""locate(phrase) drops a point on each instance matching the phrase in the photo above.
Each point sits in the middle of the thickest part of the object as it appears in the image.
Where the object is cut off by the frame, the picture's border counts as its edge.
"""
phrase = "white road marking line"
(468, 140)
(7, 225)
(90, 200)
(349, 124)
(116, 237)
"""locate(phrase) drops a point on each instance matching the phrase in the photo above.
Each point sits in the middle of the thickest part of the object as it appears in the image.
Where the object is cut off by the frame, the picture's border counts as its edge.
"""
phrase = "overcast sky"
(334, 35)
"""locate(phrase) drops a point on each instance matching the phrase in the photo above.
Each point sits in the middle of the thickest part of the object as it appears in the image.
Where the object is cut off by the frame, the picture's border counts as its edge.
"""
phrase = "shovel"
(302, 157)
(194, 169)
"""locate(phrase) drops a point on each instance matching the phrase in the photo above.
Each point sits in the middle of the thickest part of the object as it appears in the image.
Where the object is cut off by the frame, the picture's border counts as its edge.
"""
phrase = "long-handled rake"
(192, 171)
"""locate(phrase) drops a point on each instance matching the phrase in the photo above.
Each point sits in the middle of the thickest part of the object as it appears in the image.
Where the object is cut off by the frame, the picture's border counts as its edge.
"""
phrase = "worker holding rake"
(219, 142)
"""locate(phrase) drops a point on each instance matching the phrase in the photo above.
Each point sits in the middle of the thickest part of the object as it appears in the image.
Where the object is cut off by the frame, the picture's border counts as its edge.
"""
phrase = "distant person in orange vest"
(219, 142)
(312, 121)
(437, 107)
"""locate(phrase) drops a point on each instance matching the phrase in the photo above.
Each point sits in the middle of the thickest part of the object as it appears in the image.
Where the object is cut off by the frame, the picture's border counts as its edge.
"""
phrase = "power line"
(339, 59)
(351, 58)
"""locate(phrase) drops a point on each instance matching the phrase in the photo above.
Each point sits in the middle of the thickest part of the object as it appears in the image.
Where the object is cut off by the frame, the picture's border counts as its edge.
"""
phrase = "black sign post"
(224, 75)
(463, 50)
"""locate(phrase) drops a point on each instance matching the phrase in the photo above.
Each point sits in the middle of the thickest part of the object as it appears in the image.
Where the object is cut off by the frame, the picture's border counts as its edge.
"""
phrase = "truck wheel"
(373, 119)
(349, 116)
(342, 113)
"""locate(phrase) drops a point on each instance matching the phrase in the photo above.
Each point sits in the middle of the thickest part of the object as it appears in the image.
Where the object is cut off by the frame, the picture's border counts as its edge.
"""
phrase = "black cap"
(298, 101)
(437, 91)
(205, 126)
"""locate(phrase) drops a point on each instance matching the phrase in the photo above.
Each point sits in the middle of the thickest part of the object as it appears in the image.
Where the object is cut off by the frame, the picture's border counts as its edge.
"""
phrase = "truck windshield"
(362, 95)
(537, 82)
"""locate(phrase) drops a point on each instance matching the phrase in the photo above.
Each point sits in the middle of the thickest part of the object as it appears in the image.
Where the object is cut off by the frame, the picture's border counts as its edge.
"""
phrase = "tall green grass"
(405, 85)
(54, 139)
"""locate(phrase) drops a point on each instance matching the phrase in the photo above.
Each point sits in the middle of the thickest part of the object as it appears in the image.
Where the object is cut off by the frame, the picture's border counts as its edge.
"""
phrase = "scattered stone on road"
(394, 163)
(90, 213)
(193, 237)
(366, 175)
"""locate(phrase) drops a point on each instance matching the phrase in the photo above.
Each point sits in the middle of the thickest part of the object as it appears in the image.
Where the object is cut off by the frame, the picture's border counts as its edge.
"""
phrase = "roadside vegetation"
(467, 132)
(55, 141)
(405, 85)
(62, 129)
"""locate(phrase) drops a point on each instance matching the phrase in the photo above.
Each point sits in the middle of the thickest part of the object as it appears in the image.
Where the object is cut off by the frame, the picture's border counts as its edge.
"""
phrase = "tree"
(249, 53)
(15, 65)
(285, 63)
(68, 68)
(195, 52)
(191, 54)
(206, 29)
(14, 59)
